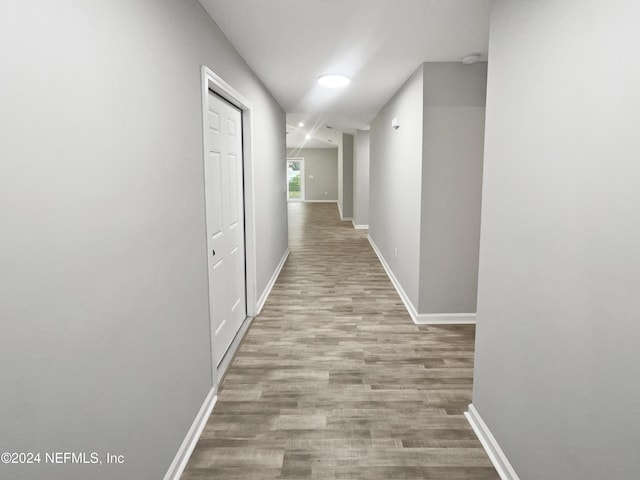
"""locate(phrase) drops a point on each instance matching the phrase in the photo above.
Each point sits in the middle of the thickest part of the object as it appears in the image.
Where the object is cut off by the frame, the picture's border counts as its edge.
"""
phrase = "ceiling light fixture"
(301, 124)
(333, 81)
(307, 136)
(471, 58)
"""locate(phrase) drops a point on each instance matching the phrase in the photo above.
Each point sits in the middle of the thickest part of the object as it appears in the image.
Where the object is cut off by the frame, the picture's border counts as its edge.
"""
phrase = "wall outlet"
(395, 253)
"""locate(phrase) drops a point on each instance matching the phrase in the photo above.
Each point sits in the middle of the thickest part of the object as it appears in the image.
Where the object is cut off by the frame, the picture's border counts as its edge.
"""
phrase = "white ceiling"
(377, 43)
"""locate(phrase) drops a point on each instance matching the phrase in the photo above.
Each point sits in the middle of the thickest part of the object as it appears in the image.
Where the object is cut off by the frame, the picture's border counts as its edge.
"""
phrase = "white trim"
(321, 201)
(272, 282)
(421, 318)
(490, 445)
(403, 295)
(445, 318)
(193, 435)
(359, 227)
(211, 81)
(231, 351)
(344, 219)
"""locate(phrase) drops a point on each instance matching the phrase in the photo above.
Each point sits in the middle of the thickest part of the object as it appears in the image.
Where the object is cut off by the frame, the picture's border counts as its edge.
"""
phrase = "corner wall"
(103, 294)
(454, 109)
(345, 176)
(395, 183)
(361, 155)
(557, 357)
(425, 189)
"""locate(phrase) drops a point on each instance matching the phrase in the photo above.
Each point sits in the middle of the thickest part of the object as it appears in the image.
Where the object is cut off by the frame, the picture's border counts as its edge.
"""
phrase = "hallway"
(333, 380)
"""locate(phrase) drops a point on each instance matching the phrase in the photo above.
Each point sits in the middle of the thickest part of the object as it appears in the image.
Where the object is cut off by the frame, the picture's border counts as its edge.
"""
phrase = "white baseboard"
(231, 351)
(342, 217)
(421, 318)
(193, 435)
(272, 282)
(186, 449)
(490, 444)
(321, 201)
(360, 227)
(403, 295)
(445, 319)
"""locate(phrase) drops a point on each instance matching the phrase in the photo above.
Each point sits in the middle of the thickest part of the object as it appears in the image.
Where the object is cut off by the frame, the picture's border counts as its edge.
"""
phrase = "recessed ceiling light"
(307, 136)
(301, 124)
(333, 81)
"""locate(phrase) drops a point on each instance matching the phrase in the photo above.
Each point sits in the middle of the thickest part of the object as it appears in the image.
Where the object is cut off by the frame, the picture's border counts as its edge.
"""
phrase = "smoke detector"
(471, 58)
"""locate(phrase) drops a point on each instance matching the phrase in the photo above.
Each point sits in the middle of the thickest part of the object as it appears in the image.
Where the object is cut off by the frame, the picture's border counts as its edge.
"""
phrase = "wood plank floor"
(334, 381)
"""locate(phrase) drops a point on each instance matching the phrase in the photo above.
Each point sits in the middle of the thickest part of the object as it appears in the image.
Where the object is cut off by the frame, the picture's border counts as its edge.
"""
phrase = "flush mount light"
(471, 58)
(333, 81)
(307, 136)
(301, 124)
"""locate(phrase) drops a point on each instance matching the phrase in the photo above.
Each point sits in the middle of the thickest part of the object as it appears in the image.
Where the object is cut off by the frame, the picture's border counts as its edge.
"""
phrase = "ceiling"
(377, 43)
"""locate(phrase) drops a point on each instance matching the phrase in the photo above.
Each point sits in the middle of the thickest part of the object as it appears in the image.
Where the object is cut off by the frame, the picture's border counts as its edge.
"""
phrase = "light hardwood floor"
(334, 381)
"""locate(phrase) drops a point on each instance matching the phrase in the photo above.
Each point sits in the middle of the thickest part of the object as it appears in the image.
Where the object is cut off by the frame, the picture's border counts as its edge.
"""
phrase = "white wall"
(361, 178)
(557, 357)
(454, 109)
(395, 183)
(103, 292)
(321, 172)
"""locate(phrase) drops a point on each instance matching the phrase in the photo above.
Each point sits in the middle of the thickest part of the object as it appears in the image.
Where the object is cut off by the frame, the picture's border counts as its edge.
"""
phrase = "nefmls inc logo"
(72, 457)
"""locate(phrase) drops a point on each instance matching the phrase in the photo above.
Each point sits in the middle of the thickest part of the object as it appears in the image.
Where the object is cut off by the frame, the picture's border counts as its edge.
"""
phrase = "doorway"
(230, 217)
(295, 179)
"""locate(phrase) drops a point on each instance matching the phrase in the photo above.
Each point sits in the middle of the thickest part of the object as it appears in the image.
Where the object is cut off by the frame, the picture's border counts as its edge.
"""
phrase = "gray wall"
(395, 182)
(345, 176)
(103, 292)
(361, 178)
(557, 360)
(322, 164)
(454, 99)
(340, 175)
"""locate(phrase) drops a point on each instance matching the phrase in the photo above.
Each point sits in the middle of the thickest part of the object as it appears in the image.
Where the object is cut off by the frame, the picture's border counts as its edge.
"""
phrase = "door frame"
(302, 178)
(213, 82)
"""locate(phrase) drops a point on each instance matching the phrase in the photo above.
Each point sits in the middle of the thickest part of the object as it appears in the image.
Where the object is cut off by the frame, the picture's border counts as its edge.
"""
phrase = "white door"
(225, 222)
